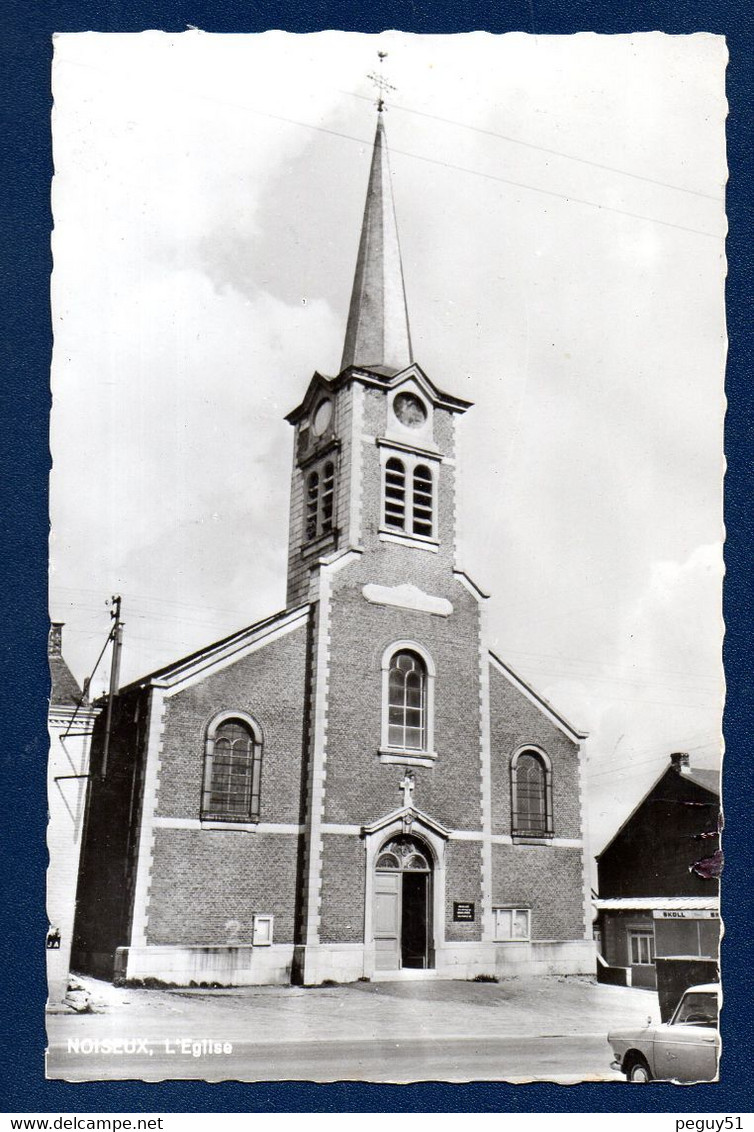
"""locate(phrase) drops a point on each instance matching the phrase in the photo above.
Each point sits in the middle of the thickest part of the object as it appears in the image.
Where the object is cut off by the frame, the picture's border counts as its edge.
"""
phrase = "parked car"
(687, 1048)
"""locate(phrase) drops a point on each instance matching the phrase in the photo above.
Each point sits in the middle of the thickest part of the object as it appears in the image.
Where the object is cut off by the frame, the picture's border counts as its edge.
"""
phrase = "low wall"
(546, 957)
(228, 965)
(613, 976)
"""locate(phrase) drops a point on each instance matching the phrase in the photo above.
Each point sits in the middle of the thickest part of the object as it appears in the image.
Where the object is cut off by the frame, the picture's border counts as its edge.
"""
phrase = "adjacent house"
(658, 880)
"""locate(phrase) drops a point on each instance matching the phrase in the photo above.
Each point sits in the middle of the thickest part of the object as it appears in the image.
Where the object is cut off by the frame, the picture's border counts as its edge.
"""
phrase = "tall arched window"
(407, 702)
(531, 792)
(232, 770)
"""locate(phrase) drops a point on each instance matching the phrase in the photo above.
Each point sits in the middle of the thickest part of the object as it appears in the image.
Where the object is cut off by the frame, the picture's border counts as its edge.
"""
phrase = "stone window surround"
(411, 458)
(532, 837)
(387, 753)
(209, 746)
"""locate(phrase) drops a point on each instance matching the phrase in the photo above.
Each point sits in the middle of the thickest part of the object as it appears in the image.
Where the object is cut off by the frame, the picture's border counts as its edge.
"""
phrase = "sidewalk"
(519, 1007)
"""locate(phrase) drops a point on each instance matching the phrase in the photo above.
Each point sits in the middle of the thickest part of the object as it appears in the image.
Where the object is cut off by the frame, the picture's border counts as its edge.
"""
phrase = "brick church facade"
(355, 787)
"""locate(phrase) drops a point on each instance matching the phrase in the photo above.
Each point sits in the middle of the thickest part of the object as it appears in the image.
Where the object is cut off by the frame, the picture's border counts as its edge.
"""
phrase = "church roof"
(221, 652)
(544, 705)
(377, 334)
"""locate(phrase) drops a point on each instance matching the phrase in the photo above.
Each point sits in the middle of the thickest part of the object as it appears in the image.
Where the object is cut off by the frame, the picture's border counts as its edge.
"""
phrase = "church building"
(355, 787)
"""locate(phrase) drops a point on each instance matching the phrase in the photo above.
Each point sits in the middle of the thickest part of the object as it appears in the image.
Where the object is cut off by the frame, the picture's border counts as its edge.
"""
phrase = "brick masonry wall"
(343, 885)
(463, 883)
(299, 565)
(514, 722)
(375, 419)
(360, 788)
(108, 853)
(269, 685)
(203, 881)
(548, 880)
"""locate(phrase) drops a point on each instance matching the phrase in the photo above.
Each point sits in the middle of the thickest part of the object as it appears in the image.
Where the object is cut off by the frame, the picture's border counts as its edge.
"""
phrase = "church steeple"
(378, 334)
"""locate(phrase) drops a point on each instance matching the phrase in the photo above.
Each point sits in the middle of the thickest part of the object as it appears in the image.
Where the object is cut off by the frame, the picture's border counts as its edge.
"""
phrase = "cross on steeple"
(407, 786)
(379, 80)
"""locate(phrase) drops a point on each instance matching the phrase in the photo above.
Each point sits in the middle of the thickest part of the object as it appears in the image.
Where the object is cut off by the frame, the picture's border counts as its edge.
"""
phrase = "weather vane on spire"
(379, 80)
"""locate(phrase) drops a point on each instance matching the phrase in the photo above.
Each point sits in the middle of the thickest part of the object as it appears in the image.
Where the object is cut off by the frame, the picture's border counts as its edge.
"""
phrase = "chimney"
(55, 639)
(679, 761)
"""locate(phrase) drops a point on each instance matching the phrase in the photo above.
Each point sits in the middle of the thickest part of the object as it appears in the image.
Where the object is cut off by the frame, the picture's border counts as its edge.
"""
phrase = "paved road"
(563, 1059)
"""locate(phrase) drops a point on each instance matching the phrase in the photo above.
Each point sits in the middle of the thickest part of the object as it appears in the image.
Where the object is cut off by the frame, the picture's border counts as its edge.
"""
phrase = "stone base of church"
(226, 964)
(546, 957)
(245, 965)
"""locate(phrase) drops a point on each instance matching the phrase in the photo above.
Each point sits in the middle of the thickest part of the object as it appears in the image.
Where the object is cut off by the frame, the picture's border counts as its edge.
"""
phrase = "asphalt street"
(546, 1028)
(563, 1059)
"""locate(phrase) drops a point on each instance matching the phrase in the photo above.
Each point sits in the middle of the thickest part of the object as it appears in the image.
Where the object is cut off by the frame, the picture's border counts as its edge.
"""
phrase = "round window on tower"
(410, 410)
(322, 417)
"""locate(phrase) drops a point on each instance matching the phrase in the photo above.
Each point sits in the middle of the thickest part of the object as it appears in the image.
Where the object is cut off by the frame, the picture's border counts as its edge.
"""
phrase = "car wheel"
(639, 1073)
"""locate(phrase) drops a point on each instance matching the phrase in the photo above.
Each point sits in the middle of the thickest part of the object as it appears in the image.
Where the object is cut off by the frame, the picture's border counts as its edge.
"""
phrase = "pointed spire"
(377, 333)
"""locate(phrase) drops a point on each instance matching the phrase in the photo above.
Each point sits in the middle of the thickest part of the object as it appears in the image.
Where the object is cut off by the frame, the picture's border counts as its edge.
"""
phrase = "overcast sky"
(560, 203)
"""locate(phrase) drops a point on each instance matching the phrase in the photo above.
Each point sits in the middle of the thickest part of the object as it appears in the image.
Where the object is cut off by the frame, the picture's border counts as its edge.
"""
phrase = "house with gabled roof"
(658, 881)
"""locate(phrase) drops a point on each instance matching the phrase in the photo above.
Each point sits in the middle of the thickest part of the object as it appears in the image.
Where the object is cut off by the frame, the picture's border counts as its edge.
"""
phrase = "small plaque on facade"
(463, 910)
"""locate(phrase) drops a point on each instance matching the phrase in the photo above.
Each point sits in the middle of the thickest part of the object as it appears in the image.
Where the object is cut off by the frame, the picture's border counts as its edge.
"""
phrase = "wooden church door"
(402, 906)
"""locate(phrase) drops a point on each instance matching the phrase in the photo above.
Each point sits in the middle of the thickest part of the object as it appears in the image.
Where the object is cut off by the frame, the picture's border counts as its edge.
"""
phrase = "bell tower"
(374, 453)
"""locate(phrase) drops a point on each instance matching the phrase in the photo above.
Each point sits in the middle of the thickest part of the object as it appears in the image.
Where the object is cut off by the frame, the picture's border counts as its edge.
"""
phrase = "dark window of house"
(407, 702)
(531, 795)
(233, 773)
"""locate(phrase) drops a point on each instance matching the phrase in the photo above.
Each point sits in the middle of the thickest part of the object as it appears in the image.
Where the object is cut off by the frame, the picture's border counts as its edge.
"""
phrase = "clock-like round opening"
(410, 410)
(322, 417)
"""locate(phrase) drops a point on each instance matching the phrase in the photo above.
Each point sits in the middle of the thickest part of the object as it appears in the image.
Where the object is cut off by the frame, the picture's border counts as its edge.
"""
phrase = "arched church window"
(395, 494)
(233, 771)
(407, 701)
(531, 791)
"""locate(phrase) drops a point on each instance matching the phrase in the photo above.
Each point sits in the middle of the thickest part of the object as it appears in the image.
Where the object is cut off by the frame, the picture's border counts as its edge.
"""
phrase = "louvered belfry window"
(312, 505)
(531, 791)
(422, 510)
(233, 773)
(409, 498)
(407, 702)
(320, 502)
(395, 494)
(328, 497)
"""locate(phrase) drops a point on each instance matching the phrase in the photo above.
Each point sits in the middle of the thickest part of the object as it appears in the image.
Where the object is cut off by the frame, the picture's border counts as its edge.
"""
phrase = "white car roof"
(704, 987)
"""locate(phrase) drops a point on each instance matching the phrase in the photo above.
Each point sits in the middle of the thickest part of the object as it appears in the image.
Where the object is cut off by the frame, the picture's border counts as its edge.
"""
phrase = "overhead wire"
(437, 162)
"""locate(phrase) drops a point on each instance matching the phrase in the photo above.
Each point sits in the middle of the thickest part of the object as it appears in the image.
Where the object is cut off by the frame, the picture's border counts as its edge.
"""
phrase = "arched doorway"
(403, 934)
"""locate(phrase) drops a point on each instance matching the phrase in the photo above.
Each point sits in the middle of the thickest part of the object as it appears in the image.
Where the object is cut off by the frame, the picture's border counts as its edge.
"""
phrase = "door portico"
(405, 893)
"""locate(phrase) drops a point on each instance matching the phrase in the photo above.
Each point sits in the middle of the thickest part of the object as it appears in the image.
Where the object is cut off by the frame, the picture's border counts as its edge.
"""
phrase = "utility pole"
(116, 636)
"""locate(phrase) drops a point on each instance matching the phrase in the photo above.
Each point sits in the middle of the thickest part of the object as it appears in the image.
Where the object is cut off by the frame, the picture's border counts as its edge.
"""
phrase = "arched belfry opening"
(403, 903)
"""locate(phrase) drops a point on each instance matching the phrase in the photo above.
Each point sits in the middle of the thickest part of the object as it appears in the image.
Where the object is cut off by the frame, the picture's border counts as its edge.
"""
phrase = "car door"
(687, 1047)
(686, 1053)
